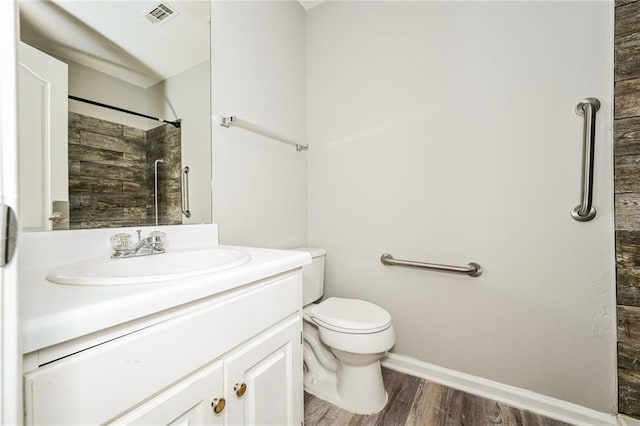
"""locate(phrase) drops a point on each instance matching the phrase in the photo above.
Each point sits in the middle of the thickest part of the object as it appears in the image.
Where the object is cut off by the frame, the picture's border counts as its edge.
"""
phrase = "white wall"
(446, 132)
(94, 85)
(186, 96)
(258, 65)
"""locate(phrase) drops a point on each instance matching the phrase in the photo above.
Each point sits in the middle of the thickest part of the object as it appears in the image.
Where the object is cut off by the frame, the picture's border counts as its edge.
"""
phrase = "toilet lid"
(350, 315)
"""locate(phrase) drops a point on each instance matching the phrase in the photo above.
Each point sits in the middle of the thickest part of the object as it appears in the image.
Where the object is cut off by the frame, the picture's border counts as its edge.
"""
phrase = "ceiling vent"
(160, 13)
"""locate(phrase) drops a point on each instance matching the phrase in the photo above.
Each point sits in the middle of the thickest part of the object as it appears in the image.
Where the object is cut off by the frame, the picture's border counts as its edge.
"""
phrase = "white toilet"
(344, 340)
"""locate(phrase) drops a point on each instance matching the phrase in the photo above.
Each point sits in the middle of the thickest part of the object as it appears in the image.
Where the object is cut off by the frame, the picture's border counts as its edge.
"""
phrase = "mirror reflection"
(114, 113)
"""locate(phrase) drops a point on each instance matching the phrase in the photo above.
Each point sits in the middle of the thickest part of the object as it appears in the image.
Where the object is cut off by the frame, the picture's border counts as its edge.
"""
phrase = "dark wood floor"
(415, 401)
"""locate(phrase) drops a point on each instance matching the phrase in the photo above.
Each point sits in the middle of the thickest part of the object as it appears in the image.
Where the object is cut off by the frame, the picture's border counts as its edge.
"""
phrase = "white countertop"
(53, 313)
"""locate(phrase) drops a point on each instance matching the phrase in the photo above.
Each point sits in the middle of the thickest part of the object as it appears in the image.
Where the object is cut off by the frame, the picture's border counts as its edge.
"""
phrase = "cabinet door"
(271, 369)
(190, 402)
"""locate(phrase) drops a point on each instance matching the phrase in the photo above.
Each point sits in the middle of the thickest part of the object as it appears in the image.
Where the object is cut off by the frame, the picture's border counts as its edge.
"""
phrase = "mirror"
(90, 75)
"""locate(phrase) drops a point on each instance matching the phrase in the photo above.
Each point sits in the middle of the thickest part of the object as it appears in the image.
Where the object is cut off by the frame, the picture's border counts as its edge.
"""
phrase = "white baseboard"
(511, 395)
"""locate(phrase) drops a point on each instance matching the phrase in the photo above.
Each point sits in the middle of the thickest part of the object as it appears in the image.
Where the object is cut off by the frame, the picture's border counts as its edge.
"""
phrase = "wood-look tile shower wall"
(163, 142)
(111, 174)
(627, 202)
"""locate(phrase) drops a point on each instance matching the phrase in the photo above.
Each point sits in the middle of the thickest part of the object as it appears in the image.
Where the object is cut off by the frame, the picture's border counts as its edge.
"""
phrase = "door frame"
(10, 375)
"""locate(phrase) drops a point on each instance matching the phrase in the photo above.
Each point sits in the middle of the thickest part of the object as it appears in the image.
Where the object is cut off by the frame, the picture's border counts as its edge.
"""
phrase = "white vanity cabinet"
(238, 353)
(190, 402)
(256, 385)
(263, 377)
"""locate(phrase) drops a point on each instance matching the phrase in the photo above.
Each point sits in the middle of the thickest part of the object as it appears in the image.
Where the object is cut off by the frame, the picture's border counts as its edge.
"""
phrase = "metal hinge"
(301, 337)
(8, 232)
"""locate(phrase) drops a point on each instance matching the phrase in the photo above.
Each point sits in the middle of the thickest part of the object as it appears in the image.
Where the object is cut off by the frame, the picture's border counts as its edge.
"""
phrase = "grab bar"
(155, 186)
(472, 269)
(185, 192)
(231, 120)
(587, 108)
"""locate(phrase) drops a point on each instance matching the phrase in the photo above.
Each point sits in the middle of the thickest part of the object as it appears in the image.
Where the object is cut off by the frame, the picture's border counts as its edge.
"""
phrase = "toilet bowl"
(358, 334)
(344, 341)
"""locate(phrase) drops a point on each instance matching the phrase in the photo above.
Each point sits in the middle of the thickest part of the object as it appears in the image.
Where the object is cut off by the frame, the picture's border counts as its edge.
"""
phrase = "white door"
(197, 400)
(263, 379)
(10, 385)
(43, 128)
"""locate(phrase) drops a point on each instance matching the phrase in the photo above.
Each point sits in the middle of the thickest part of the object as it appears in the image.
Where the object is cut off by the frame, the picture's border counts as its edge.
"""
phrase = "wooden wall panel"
(627, 137)
(111, 174)
(107, 174)
(627, 202)
(623, 2)
(627, 98)
(165, 143)
(628, 324)
(627, 211)
(629, 379)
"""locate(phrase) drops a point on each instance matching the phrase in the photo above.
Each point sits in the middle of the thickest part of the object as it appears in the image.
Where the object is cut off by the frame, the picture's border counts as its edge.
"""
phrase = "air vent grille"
(160, 13)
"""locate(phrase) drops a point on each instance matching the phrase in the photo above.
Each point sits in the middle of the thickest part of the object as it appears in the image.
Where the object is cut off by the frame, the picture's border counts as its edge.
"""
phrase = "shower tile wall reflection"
(110, 183)
(164, 142)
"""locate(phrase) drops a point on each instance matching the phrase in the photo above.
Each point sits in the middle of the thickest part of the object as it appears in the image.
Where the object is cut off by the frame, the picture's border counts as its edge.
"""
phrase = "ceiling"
(117, 38)
(310, 4)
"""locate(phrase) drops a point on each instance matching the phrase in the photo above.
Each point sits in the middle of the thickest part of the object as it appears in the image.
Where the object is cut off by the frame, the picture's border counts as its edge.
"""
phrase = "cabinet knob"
(218, 405)
(240, 389)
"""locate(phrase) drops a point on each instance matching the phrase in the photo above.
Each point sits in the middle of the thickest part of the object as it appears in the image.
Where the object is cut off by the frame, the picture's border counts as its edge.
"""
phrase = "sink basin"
(149, 269)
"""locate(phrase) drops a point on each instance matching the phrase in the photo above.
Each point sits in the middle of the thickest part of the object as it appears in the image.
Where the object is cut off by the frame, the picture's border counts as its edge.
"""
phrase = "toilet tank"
(313, 275)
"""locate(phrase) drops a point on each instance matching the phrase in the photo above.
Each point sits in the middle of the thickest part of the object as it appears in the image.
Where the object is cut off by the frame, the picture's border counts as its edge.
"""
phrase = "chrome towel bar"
(472, 269)
(587, 108)
(232, 120)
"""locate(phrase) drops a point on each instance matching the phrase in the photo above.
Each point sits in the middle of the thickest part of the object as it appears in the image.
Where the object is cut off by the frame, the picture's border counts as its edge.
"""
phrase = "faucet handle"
(159, 237)
(121, 242)
(139, 231)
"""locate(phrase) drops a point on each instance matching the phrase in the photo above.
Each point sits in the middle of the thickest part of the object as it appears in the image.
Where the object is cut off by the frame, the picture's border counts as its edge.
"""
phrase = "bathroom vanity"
(220, 348)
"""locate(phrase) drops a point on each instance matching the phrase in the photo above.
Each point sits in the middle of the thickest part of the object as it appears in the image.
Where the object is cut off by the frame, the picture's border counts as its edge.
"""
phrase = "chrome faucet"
(123, 247)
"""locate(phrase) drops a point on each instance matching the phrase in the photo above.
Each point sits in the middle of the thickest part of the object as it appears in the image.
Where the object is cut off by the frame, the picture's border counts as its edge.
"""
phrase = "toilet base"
(361, 397)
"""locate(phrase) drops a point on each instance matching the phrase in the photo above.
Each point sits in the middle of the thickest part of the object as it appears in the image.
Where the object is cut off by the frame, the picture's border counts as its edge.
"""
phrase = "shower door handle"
(587, 108)
(185, 192)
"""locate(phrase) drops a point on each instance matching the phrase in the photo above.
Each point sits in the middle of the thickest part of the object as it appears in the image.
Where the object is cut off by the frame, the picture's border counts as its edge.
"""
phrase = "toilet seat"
(352, 316)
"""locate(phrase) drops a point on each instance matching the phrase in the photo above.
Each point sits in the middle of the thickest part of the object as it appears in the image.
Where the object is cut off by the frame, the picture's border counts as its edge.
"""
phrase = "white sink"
(149, 269)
